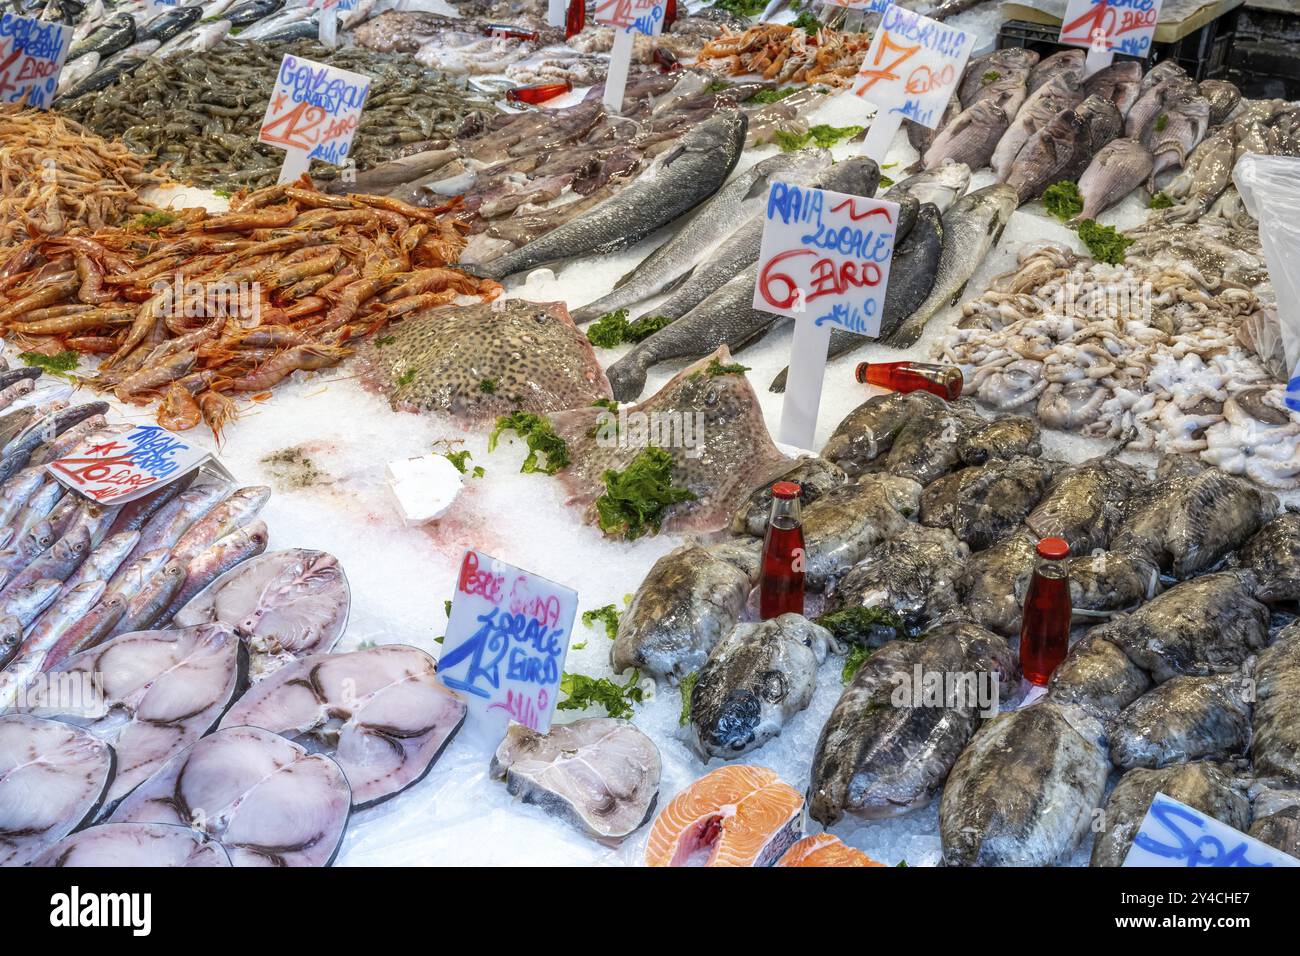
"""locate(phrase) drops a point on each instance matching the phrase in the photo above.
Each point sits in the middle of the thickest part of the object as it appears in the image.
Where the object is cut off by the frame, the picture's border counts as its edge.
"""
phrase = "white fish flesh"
(134, 845)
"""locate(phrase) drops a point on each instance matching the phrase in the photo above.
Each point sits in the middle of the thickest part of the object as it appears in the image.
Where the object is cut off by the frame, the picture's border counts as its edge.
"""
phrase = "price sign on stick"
(120, 468)
(32, 53)
(911, 70)
(506, 642)
(1107, 27)
(824, 261)
(626, 17)
(1174, 834)
(313, 114)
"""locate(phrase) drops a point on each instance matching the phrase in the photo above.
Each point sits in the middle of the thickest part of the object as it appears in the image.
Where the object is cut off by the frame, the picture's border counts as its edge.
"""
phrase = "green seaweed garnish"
(808, 22)
(458, 458)
(688, 687)
(857, 656)
(1104, 242)
(446, 608)
(617, 699)
(716, 368)
(607, 331)
(742, 8)
(608, 403)
(60, 364)
(1161, 122)
(641, 329)
(488, 386)
(855, 624)
(607, 615)
(773, 96)
(382, 340)
(992, 76)
(636, 497)
(149, 221)
(822, 135)
(1159, 201)
(406, 378)
(578, 647)
(540, 437)
(1063, 200)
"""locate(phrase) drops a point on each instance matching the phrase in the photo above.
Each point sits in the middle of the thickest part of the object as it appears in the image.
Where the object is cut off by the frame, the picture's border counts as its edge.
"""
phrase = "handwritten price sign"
(1116, 26)
(32, 53)
(120, 468)
(640, 16)
(1173, 834)
(506, 642)
(313, 114)
(825, 257)
(913, 65)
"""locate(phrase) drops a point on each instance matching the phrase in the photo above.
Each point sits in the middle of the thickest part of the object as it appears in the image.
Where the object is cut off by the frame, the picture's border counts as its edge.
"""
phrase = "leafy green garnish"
(992, 76)
(607, 403)
(688, 687)
(541, 438)
(223, 193)
(488, 386)
(406, 378)
(901, 865)
(773, 96)
(808, 22)
(578, 647)
(822, 135)
(856, 624)
(717, 86)
(479, 471)
(1104, 242)
(636, 497)
(607, 331)
(853, 662)
(617, 699)
(607, 615)
(149, 221)
(60, 364)
(742, 8)
(458, 458)
(641, 329)
(446, 608)
(382, 340)
(1159, 201)
(1063, 200)
(716, 368)
(886, 181)
(439, 640)
(1161, 122)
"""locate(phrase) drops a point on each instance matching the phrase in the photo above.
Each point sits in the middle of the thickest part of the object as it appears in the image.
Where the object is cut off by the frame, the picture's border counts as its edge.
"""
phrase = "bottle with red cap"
(575, 19)
(670, 14)
(538, 93)
(943, 380)
(1045, 624)
(780, 588)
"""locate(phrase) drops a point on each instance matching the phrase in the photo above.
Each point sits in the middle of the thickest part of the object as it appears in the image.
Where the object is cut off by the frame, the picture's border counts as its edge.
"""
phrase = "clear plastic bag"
(1270, 187)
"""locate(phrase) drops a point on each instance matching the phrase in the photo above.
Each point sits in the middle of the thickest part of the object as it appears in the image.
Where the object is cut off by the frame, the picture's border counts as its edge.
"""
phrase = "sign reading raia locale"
(1123, 26)
(507, 638)
(313, 113)
(911, 68)
(32, 54)
(118, 468)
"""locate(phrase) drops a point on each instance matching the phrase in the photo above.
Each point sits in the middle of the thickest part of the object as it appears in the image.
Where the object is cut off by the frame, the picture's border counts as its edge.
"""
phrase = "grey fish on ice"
(1202, 786)
(689, 173)
(1084, 504)
(1007, 436)
(1122, 166)
(984, 503)
(867, 433)
(1185, 718)
(1274, 555)
(1062, 149)
(842, 526)
(755, 679)
(971, 228)
(939, 187)
(991, 68)
(1039, 109)
(735, 204)
(1097, 676)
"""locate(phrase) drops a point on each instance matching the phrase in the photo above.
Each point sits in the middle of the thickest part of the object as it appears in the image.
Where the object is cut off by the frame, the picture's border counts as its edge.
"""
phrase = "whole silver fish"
(1121, 167)
(103, 562)
(1040, 108)
(688, 174)
(736, 203)
(921, 137)
(62, 614)
(971, 228)
(146, 609)
(63, 557)
(858, 176)
(1120, 83)
(25, 548)
(88, 630)
(17, 491)
(44, 430)
(756, 678)
(132, 577)
(215, 560)
(240, 509)
(939, 187)
(166, 527)
(972, 137)
(26, 606)
(912, 275)
(1151, 102)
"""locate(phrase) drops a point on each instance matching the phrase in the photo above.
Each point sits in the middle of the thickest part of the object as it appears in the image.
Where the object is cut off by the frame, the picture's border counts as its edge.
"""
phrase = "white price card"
(1173, 834)
(119, 468)
(1111, 26)
(32, 54)
(313, 113)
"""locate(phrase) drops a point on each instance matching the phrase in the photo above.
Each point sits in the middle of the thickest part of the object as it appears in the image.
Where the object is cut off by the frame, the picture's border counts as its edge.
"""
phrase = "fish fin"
(778, 383)
(672, 154)
(757, 189)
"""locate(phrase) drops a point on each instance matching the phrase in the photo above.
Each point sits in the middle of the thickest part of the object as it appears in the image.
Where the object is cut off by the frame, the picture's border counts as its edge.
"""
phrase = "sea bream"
(990, 68)
(971, 228)
(1200, 785)
(1065, 63)
(1023, 791)
(685, 176)
(1185, 718)
(731, 207)
(972, 137)
(688, 601)
(1120, 83)
(1120, 167)
(1062, 149)
(600, 775)
(755, 679)
(1038, 110)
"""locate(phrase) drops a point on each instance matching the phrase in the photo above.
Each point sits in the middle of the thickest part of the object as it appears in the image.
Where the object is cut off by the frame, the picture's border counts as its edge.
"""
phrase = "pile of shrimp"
(196, 308)
(56, 177)
(788, 54)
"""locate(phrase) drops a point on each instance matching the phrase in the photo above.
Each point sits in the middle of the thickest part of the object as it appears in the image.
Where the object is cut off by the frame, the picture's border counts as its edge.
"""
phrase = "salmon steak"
(823, 849)
(734, 816)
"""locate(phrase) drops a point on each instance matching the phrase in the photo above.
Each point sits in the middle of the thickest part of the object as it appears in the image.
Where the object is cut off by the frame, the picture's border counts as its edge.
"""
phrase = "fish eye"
(711, 397)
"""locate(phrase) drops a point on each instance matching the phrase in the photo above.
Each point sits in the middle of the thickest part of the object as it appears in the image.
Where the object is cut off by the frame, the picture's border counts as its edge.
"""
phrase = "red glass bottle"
(509, 31)
(780, 588)
(1045, 624)
(943, 380)
(576, 19)
(539, 93)
(670, 14)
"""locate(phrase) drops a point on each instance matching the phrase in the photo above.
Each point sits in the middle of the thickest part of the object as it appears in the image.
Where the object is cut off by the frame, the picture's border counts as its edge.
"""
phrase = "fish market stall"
(518, 342)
